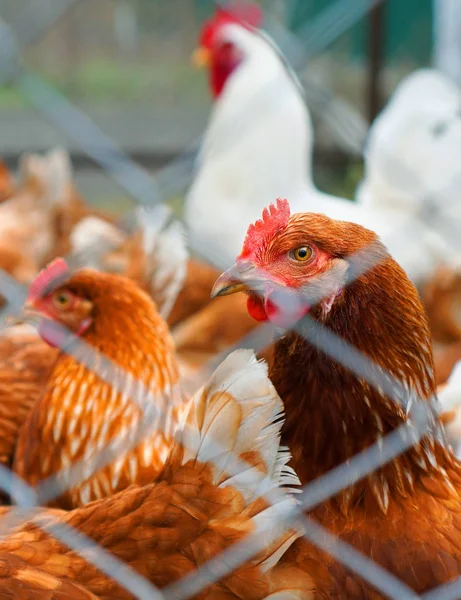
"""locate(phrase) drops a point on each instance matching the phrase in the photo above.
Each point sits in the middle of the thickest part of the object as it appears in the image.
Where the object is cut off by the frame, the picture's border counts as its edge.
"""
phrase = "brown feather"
(25, 365)
(442, 300)
(167, 530)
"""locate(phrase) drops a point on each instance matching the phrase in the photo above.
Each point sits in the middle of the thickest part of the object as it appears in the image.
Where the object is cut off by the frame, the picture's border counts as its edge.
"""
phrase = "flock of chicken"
(95, 409)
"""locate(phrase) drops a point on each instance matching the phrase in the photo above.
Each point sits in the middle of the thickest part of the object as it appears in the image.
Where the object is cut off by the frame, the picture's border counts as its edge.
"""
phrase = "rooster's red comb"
(52, 276)
(246, 14)
(274, 218)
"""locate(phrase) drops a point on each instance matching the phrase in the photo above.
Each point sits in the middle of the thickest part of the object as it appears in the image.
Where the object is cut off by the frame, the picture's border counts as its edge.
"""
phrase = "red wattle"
(225, 59)
(255, 307)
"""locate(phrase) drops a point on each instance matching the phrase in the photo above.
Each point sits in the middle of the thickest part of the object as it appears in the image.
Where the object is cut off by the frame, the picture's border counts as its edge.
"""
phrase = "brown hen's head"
(341, 275)
(51, 301)
(87, 303)
(294, 264)
(302, 268)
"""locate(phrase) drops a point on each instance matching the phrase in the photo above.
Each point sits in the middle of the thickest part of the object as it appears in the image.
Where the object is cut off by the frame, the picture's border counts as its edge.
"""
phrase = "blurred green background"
(126, 63)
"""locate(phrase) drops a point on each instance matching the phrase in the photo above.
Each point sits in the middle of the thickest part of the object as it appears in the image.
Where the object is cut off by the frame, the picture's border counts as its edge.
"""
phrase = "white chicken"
(259, 138)
(413, 146)
(258, 145)
(412, 164)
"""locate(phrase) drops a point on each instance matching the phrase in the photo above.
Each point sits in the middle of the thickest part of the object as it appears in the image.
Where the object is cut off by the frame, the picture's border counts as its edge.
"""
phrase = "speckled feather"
(20, 580)
(25, 365)
(166, 530)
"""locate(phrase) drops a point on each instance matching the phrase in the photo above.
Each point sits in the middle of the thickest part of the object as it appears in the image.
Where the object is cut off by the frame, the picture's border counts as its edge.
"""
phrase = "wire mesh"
(146, 190)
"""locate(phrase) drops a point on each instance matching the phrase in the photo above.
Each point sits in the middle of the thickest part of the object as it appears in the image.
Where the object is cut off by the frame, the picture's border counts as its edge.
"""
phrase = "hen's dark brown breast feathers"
(406, 515)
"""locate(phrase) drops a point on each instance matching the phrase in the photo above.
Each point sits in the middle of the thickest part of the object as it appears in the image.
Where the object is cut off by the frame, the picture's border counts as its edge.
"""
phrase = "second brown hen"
(337, 290)
(203, 503)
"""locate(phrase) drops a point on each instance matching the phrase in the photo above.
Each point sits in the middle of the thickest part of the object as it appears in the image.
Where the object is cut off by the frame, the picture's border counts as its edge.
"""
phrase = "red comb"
(274, 218)
(246, 14)
(48, 279)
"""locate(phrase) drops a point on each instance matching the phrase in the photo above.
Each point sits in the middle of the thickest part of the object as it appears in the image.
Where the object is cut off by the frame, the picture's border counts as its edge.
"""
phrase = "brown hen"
(71, 211)
(201, 505)
(406, 516)
(80, 412)
(26, 217)
(8, 184)
(20, 580)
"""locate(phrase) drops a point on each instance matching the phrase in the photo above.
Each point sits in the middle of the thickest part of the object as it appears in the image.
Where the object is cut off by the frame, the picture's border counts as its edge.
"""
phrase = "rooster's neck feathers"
(332, 414)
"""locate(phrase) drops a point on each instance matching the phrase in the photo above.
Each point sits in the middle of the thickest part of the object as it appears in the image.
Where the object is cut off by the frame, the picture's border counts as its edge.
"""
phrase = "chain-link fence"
(56, 108)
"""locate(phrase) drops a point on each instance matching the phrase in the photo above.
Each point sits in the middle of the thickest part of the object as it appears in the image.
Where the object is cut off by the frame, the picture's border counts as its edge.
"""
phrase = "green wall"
(408, 27)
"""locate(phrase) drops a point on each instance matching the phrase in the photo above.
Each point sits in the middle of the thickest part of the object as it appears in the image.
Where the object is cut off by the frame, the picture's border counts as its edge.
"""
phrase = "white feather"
(237, 412)
(165, 249)
(91, 238)
(275, 533)
(60, 175)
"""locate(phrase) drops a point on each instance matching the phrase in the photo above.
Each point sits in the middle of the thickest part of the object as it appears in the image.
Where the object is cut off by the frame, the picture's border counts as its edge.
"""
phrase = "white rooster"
(258, 145)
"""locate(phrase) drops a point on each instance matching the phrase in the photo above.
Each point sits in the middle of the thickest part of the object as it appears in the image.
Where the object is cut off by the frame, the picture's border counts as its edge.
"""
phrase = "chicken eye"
(62, 299)
(301, 254)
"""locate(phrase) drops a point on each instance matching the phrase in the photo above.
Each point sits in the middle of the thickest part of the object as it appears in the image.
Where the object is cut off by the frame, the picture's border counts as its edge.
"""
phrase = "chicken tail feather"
(234, 422)
(164, 245)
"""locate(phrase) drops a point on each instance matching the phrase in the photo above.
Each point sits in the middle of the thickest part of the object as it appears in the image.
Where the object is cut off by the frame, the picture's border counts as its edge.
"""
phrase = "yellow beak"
(237, 280)
(201, 57)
